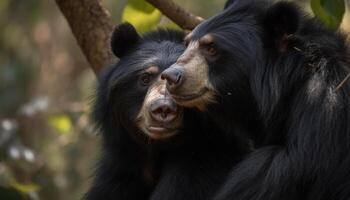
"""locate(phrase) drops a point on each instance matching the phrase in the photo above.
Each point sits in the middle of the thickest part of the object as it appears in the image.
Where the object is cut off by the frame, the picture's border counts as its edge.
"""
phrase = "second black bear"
(268, 68)
(152, 148)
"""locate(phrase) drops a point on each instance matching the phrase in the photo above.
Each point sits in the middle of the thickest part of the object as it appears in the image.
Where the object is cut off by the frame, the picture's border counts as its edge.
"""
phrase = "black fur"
(282, 70)
(190, 166)
(228, 3)
(126, 33)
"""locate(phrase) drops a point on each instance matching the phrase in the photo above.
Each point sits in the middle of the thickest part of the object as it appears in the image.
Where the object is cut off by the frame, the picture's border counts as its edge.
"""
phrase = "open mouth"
(190, 97)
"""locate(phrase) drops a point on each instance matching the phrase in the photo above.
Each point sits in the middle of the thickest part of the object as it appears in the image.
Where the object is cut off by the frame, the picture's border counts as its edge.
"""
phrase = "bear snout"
(163, 110)
(174, 77)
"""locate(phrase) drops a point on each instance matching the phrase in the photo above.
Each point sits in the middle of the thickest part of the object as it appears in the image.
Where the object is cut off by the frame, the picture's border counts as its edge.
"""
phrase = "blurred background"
(48, 148)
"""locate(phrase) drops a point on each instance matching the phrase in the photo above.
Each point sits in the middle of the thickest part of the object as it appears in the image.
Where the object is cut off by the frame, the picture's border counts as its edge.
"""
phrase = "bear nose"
(163, 110)
(174, 77)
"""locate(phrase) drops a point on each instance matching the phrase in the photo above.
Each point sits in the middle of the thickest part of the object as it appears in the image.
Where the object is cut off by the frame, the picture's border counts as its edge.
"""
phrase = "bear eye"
(146, 79)
(211, 50)
(186, 43)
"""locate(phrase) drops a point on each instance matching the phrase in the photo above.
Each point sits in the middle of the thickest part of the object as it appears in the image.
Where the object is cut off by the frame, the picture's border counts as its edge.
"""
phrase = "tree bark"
(91, 25)
(180, 16)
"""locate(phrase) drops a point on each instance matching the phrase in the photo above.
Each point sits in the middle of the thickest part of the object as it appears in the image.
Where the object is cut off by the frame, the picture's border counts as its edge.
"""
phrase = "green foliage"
(62, 123)
(330, 12)
(142, 15)
(10, 189)
(25, 188)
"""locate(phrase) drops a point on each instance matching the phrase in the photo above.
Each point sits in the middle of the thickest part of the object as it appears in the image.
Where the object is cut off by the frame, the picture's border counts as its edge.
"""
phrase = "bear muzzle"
(163, 110)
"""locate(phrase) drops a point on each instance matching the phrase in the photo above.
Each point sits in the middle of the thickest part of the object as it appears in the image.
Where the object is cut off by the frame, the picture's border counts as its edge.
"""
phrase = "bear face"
(136, 93)
(217, 67)
(219, 54)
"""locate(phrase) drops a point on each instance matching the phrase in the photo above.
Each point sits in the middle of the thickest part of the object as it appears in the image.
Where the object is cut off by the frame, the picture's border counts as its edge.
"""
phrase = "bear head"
(224, 52)
(131, 94)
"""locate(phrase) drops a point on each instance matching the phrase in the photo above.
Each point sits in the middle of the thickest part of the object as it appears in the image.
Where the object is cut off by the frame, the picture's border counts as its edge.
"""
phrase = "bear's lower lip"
(158, 129)
(190, 97)
(158, 132)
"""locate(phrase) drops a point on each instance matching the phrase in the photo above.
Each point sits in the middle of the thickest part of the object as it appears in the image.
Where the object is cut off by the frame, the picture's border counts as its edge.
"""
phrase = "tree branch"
(180, 16)
(91, 25)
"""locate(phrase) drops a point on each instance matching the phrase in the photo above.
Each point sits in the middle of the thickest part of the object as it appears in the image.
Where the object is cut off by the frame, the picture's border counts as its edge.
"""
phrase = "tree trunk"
(91, 25)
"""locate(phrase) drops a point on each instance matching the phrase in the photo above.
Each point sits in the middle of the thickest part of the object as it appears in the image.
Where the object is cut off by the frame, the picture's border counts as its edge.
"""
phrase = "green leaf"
(330, 12)
(62, 123)
(142, 15)
(25, 188)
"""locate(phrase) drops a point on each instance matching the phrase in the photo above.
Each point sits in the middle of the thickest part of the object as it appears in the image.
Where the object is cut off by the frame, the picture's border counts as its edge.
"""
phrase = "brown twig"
(180, 16)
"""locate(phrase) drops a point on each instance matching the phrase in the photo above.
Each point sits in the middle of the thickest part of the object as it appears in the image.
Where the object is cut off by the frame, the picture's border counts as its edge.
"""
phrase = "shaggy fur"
(190, 165)
(278, 74)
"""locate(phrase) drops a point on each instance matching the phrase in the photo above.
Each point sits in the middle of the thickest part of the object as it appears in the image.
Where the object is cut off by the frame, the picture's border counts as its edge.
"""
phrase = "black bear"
(152, 148)
(269, 68)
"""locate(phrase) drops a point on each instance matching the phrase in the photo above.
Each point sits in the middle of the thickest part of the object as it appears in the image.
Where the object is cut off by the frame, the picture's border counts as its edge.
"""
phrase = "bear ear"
(281, 21)
(124, 38)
